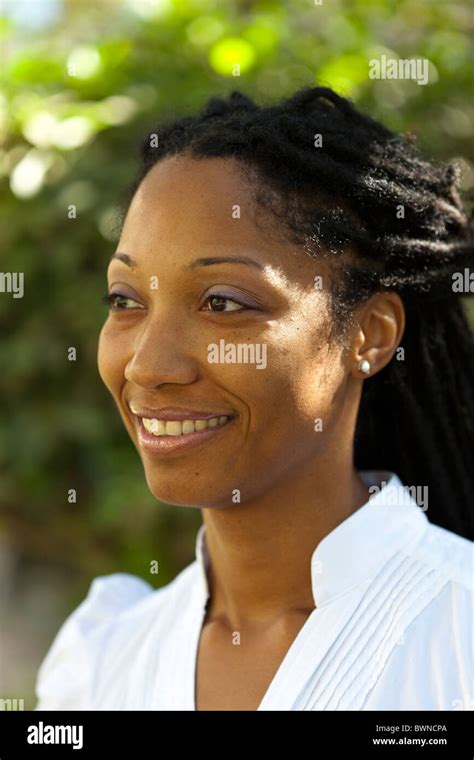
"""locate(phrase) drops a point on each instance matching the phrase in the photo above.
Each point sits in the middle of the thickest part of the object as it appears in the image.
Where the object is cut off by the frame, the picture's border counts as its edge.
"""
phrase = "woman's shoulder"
(116, 605)
(109, 595)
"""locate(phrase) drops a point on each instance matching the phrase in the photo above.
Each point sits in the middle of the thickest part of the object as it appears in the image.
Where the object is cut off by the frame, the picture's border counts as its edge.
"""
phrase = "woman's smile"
(160, 436)
(172, 429)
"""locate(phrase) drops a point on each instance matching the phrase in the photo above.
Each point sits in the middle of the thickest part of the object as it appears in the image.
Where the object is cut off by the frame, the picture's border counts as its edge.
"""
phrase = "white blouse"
(392, 627)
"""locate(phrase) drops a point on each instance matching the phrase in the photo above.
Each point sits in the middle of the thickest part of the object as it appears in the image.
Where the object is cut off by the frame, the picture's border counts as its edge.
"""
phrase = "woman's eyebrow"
(124, 258)
(202, 262)
(210, 260)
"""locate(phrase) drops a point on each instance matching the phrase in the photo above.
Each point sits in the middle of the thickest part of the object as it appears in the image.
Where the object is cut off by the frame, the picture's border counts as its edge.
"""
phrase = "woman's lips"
(171, 413)
(167, 444)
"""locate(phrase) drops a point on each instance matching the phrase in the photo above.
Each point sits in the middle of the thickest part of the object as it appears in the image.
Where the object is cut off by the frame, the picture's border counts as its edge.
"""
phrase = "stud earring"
(364, 366)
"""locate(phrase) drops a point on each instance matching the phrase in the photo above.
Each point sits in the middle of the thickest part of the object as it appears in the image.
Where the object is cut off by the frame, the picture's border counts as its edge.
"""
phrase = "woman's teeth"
(181, 427)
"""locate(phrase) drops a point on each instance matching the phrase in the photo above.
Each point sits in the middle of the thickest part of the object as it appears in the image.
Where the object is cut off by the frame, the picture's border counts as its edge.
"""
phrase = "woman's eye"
(119, 302)
(218, 304)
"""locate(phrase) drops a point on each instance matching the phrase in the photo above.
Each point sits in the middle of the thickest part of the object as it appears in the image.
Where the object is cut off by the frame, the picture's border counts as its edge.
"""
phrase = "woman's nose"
(160, 356)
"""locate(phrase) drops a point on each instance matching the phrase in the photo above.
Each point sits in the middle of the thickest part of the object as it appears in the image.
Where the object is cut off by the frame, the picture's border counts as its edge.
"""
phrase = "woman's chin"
(179, 494)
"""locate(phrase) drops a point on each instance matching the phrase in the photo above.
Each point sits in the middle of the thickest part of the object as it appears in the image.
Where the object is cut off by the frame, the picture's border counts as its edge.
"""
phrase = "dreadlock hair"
(367, 192)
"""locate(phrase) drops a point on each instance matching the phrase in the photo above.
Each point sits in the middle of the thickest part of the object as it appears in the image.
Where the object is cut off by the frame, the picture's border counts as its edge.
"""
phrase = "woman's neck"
(260, 550)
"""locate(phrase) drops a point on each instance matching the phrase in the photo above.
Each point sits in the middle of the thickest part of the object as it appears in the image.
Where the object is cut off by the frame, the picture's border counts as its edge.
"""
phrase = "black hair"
(389, 220)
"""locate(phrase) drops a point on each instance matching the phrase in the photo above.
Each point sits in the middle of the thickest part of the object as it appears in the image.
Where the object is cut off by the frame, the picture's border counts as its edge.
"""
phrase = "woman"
(289, 355)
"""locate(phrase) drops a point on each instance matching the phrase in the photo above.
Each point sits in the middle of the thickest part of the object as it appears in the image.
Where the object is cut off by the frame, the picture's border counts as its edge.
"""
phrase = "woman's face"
(274, 372)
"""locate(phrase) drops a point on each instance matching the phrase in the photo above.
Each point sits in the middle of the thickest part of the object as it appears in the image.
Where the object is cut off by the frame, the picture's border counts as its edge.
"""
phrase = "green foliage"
(79, 93)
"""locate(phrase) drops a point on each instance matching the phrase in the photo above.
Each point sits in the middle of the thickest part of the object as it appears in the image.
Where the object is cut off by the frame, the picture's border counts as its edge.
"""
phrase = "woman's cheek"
(111, 358)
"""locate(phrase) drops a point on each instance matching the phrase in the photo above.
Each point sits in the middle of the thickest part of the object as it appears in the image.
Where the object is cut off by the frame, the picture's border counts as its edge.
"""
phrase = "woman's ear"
(379, 326)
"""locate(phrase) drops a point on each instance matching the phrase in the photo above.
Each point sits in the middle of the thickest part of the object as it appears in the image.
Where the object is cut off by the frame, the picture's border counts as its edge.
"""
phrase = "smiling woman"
(318, 584)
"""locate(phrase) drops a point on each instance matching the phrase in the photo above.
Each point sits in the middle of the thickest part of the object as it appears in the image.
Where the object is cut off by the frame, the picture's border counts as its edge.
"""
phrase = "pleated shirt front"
(392, 628)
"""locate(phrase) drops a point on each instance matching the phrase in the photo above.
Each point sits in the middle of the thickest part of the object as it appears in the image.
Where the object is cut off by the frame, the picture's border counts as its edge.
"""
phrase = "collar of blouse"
(356, 548)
